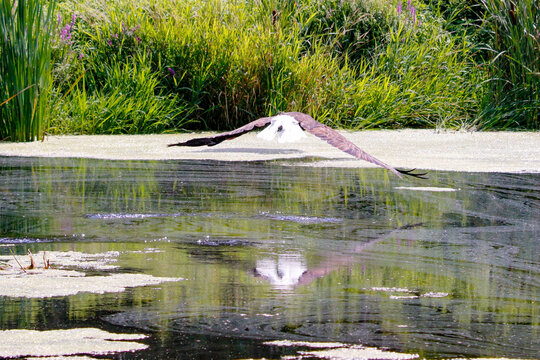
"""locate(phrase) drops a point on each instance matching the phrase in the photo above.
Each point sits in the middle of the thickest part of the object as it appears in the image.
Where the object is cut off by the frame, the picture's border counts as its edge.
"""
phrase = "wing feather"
(310, 125)
(216, 139)
(337, 140)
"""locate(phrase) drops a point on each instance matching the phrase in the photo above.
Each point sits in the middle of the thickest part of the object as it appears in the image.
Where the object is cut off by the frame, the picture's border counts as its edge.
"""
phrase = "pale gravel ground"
(422, 149)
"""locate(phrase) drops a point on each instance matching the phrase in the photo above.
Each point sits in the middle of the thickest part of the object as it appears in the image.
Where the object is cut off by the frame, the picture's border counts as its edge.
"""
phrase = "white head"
(288, 128)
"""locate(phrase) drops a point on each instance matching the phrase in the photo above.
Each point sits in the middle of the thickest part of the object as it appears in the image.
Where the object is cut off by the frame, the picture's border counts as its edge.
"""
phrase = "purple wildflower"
(171, 71)
(413, 14)
(81, 55)
(109, 42)
(399, 7)
(65, 33)
(409, 4)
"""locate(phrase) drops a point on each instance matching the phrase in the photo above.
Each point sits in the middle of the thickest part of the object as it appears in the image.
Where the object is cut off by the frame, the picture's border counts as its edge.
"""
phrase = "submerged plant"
(32, 266)
(25, 28)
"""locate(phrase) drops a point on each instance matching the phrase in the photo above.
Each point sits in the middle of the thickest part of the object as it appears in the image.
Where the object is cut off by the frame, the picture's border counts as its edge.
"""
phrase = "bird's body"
(290, 127)
(286, 127)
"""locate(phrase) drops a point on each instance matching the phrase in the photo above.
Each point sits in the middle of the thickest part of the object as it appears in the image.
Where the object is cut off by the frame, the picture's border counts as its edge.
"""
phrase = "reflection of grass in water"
(151, 187)
(226, 285)
(220, 276)
(220, 287)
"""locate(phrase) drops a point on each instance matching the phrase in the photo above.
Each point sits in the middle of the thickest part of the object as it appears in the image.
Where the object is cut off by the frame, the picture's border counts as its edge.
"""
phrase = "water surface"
(280, 252)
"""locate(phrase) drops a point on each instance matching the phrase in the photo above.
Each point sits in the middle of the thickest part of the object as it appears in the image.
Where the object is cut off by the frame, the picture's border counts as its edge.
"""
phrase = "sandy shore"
(422, 149)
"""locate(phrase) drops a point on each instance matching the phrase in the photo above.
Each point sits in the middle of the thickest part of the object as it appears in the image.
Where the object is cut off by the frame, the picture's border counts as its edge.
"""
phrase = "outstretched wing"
(339, 141)
(216, 139)
(310, 125)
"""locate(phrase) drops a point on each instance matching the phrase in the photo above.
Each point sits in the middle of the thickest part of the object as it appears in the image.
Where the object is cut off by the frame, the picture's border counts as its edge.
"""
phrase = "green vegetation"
(513, 93)
(160, 66)
(233, 212)
(24, 68)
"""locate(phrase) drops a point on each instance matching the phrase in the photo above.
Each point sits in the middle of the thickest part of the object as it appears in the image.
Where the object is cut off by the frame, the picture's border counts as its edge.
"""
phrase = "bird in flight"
(291, 126)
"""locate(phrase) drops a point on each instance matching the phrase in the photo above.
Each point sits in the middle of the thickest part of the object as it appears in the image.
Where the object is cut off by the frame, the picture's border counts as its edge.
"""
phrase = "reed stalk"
(513, 91)
(25, 30)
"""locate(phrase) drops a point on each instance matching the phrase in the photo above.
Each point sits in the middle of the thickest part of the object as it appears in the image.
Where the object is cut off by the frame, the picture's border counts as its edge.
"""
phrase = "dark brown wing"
(216, 139)
(339, 141)
(308, 124)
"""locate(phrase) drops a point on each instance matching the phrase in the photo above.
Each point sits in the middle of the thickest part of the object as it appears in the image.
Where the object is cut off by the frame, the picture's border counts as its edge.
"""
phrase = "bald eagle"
(291, 126)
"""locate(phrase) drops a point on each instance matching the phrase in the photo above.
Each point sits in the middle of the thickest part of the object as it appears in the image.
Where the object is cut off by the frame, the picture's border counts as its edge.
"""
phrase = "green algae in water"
(275, 252)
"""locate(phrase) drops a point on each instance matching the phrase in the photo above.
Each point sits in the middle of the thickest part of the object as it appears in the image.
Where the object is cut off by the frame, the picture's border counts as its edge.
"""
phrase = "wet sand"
(422, 149)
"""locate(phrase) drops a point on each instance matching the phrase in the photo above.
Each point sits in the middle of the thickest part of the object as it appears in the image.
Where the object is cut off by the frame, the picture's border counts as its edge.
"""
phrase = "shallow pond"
(444, 267)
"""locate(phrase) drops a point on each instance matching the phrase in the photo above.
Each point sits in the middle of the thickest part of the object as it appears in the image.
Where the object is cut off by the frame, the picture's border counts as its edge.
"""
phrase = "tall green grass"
(129, 102)
(164, 65)
(513, 90)
(106, 79)
(25, 28)
(153, 66)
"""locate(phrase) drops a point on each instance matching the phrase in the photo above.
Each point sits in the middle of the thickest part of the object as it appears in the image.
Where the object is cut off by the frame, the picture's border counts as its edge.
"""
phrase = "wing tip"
(197, 142)
(413, 174)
